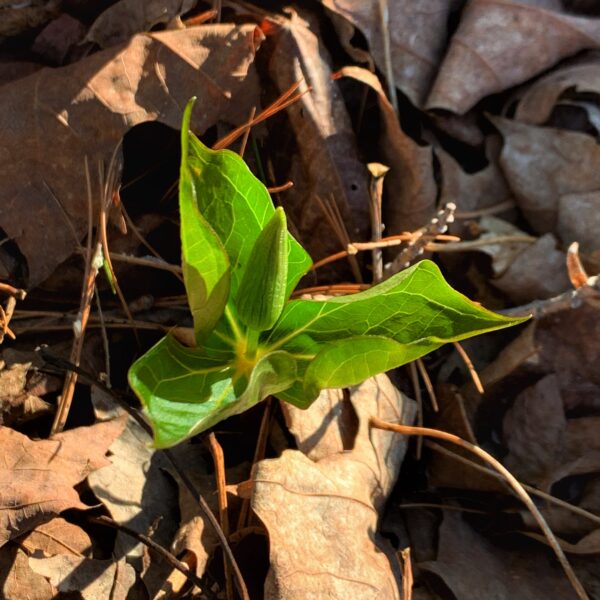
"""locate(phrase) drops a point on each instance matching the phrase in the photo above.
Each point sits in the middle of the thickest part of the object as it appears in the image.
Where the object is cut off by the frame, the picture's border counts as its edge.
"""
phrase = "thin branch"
(510, 479)
(471, 368)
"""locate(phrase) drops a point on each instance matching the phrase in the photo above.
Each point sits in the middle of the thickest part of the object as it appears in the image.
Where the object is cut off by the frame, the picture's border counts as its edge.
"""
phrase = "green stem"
(252, 336)
(235, 328)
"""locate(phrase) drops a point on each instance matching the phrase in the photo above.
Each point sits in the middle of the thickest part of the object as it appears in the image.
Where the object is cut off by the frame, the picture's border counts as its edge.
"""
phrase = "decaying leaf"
(410, 183)
(500, 43)
(93, 579)
(16, 401)
(56, 537)
(37, 477)
(21, 17)
(473, 567)
(579, 220)
(136, 491)
(539, 99)
(541, 164)
(538, 271)
(321, 516)
(54, 118)
(18, 580)
(417, 36)
(127, 17)
(326, 144)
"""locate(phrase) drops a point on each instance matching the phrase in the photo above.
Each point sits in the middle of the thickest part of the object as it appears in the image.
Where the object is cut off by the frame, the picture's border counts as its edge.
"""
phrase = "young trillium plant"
(240, 266)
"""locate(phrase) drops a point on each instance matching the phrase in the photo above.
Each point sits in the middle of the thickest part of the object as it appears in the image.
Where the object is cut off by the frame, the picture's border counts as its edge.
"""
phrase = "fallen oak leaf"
(321, 515)
(37, 478)
(86, 108)
(499, 43)
(93, 579)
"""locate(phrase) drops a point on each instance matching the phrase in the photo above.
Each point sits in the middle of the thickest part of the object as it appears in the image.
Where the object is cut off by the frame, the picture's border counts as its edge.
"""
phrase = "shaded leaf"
(410, 182)
(473, 567)
(54, 118)
(125, 18)
(327, 165)
(93, 579)
(19, 581)
(541, 164)
(136, 492)
(37, 477)
(497, 45)
(57, 537)
(417, 35)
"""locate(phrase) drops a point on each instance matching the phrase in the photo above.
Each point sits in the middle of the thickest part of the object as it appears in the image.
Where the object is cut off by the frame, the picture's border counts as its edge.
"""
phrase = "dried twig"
(470, 367)
(577, 273)
(509, 478)
(162, 552)
(219, 461)
(407, 575)
(378, 172)
(428, 385)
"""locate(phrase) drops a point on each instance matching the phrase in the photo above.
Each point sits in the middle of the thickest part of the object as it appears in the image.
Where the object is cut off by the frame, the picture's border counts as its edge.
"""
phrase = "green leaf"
(205, 263)
(238, 206)
(407, 316)
(262, 291)
(184, 392)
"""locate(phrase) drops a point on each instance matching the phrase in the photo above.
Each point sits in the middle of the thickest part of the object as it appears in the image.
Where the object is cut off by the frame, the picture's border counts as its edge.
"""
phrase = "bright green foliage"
(262, 292)
(240, 267)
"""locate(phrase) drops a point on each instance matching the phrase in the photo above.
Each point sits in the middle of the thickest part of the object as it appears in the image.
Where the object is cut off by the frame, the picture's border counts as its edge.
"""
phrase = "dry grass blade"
(428, 385)
(510, 479)
(471, 368)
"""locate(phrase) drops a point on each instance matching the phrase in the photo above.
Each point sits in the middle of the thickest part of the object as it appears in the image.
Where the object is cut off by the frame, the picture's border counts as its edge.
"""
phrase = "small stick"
(482, 212)
(428, 385)
(419, 399)
(469, 364)
(10, 290)
(482, 243)
(378, 172)
(247, 132)
(162, 552)
(219, 461)
(259, 453)
(508, 476)
(533, 491)
(281, 188)
(407, 574)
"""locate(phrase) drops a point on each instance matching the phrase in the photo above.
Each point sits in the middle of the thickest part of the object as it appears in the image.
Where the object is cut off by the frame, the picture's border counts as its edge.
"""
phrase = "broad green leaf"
(262, 291)
(205, 263)
(238, 206)
(416, 311)
(184, 392)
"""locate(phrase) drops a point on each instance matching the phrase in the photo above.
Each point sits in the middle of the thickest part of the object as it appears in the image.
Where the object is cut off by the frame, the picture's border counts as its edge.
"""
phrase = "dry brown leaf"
(500, 43)
(56, 537)
(327, 428)
(541, 164)
(588, 544)
(19, 17)
(470, 191)
(474, 568)
(326, 143)
(534, 433)
(18, 581)
(539, 99)
(137, 492)
(410, 186)
(17, 403)
(417, 33)
(37, 477)
(93, 579)
(322, 516)
(86, 108)
(57, 39)
(579, 220)
(127, 17)
(539, 271)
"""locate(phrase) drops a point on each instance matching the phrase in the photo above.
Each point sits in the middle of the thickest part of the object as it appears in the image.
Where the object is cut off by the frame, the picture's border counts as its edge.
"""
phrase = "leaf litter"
(498, 114)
